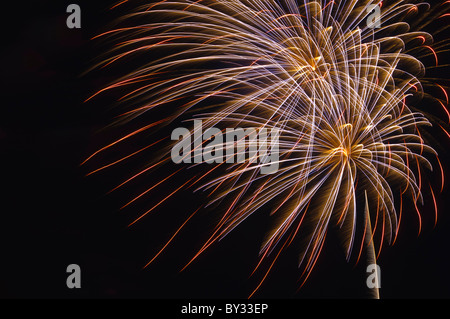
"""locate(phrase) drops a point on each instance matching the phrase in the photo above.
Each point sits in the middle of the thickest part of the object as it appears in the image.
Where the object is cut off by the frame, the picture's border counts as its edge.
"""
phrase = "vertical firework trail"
(349, 99)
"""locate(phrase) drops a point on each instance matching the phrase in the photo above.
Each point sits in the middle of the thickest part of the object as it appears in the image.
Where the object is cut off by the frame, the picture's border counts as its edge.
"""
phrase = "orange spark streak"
(390, 158)
(442, 174)
(148, 107)
(154, 5)
(299, 223)
(264, 278)
(421, 141)
(146, 47)
(116, 30)
(148, 190)
(363, 238)
(420, 177)
(123, 158)
(420, 218)
(171, 238)
(445, 92)
(123, 138)
(382, 234)
(212, 239)
(404, 104)
(118, 4)
(136, 175)
(190, 5)
(445, 109)
(435, 206)
(162, 201)
(399, 218)
(124, 82)
(444, 131)
(421, 37)
(314, 263)
(434, 53)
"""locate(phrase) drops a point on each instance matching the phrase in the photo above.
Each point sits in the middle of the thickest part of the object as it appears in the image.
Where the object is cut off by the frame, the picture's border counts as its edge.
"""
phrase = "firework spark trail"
(336, 90)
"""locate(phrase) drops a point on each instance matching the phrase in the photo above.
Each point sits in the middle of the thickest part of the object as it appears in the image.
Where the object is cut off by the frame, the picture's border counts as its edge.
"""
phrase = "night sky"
(52, 215)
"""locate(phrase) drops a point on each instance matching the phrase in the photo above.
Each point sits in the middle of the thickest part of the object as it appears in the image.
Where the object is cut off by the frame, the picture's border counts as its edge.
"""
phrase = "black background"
(51, 215)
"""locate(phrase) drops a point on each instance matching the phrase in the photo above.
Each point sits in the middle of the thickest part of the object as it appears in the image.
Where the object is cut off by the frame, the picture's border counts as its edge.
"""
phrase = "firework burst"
(340, 92)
